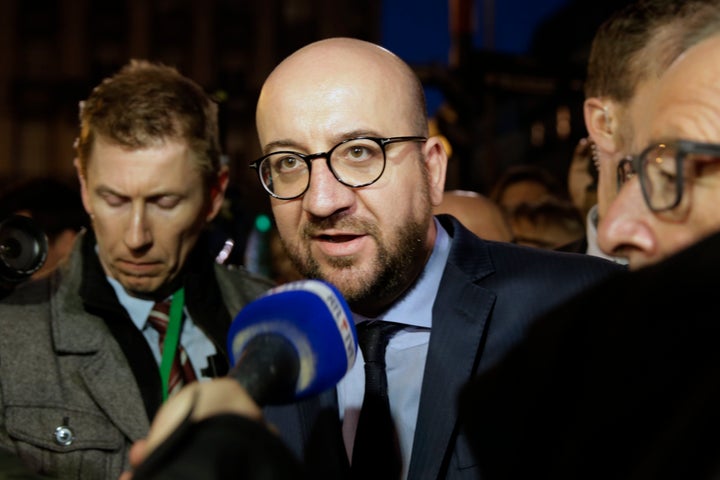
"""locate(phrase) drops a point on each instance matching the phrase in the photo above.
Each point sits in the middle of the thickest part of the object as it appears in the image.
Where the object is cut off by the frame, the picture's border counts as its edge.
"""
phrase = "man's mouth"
(337, 238)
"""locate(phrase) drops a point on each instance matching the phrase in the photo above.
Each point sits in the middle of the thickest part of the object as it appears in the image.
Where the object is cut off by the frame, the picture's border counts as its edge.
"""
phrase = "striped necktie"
(182, 370)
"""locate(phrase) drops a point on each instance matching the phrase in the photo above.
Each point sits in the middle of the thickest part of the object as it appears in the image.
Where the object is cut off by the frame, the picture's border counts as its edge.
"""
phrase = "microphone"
(296, 340)
(23, 249)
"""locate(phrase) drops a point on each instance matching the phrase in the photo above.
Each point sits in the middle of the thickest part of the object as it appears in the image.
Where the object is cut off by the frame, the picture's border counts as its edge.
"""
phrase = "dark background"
(503, 77)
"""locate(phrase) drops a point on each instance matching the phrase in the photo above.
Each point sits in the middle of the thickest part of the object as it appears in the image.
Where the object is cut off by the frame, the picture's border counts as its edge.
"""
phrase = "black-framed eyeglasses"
(663, 170)
(355, 162)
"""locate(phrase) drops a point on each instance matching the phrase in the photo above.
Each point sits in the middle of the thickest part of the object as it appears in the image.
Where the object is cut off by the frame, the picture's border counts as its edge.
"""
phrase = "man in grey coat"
(82, 368)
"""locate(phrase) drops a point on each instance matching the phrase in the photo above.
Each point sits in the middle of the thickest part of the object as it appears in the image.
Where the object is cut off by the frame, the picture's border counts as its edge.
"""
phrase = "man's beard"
(394, 268)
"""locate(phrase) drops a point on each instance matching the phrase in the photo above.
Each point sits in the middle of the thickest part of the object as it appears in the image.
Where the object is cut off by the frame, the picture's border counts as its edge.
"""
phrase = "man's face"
(612, 124)
(686, 105)
(147, 207)
(371, 242)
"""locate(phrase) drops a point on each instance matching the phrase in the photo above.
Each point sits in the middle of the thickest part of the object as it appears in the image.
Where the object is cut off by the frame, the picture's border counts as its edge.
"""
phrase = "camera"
(23, 250)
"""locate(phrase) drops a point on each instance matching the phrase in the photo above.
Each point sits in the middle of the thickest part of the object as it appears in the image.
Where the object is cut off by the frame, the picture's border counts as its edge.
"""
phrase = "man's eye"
(358, 153)
(668, 176)
(167, 201)
(113, 200)
(287, 164)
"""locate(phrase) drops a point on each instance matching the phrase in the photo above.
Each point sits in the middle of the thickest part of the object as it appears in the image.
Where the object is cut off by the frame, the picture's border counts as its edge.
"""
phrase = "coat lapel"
(105, 371)
(115, 391)
(460, 318)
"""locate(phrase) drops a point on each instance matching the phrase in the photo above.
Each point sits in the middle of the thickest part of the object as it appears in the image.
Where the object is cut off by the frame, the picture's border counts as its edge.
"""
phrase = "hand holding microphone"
(296, 340)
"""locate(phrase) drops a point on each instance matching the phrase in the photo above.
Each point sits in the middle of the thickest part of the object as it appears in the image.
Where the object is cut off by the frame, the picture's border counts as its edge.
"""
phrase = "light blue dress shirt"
(405, 355)
(196, 344)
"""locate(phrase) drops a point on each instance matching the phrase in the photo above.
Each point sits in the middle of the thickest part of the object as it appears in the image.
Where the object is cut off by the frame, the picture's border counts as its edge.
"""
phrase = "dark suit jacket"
(623, 382)
(489, 294)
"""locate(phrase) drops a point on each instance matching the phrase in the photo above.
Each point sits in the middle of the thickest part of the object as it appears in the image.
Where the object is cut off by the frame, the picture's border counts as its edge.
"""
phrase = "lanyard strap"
(172, 339)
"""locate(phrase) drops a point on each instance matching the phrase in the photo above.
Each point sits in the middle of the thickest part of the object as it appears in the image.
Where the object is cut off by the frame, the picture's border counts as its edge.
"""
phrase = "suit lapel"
(460, 318)
(321, 427)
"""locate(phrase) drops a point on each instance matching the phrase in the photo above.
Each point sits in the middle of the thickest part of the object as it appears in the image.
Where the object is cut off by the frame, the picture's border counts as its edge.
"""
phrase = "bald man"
(353, 179)
(477, 213)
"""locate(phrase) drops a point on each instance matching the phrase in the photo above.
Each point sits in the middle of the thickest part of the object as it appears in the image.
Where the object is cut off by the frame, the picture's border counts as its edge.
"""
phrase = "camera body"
(23, 250)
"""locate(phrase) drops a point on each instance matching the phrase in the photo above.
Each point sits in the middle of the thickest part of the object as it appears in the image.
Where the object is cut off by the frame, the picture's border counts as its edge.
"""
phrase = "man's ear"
(217, 192)
(436, 160)
(601, 121)
(84, 195)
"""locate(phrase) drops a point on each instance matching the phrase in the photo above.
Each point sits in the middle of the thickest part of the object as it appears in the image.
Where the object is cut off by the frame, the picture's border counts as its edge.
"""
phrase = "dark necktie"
(182, 370)
(376, 450)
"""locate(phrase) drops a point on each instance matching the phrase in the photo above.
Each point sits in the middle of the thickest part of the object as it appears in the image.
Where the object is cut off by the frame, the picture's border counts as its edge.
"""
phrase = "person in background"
(551, 223)
(88, 353)
(477, 213)
(582, 187)
(520, 184)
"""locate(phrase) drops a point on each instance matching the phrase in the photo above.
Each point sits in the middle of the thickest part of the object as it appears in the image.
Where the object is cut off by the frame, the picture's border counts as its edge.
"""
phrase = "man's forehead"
(686, 101)
(642, 113)
(303, 121)
(685, 113)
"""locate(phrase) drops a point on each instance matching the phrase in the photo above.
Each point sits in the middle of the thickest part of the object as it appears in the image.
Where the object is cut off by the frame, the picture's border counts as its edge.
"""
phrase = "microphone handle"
(268, 369)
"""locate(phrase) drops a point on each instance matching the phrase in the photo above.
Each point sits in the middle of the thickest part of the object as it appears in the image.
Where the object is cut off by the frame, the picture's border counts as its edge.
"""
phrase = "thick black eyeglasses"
(663, 171)
(355, 162)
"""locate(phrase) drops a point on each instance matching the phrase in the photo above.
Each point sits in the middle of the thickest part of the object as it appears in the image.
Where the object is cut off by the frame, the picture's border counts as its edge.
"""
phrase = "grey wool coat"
(78, 383)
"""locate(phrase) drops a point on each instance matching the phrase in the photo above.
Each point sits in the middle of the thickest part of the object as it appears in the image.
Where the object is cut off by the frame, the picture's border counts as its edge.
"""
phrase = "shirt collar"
(415, 307)
(137, 308)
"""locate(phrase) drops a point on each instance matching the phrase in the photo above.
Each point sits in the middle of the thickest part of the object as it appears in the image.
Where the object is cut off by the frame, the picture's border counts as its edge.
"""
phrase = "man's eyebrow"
(105, 190)
(281, 145)
(287, 144)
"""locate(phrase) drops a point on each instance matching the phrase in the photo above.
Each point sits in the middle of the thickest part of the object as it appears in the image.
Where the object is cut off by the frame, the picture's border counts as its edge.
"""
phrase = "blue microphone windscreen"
(315, 318)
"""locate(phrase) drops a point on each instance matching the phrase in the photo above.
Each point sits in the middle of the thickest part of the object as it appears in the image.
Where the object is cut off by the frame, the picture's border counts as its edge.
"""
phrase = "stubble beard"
(395, 266)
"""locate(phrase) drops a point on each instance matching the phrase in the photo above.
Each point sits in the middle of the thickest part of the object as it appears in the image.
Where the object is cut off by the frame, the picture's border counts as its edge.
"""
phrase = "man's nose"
(138, 234)
(627, 224)
(325, 194)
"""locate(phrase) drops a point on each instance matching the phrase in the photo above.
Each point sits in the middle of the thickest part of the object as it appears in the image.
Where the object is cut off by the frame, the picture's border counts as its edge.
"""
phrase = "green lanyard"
(172, 338)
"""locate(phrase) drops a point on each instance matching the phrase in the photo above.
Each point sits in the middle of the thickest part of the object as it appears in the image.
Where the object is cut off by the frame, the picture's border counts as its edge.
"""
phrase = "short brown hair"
(146, 103)
(618, 61)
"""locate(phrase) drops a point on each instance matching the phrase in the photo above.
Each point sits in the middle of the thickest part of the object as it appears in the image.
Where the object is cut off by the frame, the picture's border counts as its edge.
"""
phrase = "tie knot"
(159, 316)
(373, 338)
